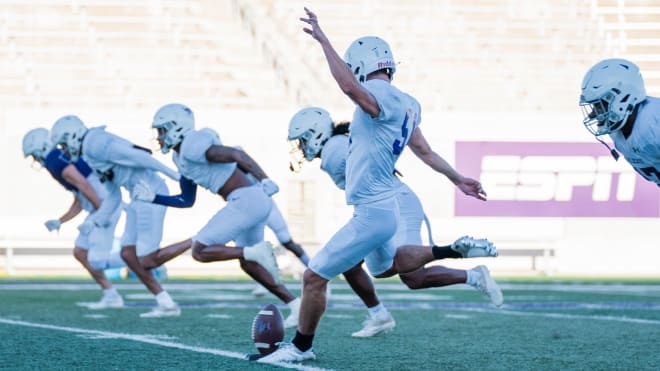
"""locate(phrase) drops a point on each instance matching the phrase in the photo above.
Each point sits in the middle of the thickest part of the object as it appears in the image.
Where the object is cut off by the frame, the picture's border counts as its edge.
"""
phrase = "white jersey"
(376, 143)
(642, 148)
(333, 163)
(192, 163)
(333, 159)
(119, 160)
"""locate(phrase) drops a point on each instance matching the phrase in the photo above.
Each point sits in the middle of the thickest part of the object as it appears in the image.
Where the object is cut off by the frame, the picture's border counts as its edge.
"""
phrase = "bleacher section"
(117, 54)
(487, 55)
(631, 28)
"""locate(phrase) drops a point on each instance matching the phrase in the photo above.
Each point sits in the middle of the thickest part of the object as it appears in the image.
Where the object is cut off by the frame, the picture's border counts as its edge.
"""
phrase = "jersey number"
(398, 145)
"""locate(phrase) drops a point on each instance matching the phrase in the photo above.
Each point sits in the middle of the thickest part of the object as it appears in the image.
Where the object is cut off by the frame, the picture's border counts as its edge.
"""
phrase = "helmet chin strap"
(613, 151)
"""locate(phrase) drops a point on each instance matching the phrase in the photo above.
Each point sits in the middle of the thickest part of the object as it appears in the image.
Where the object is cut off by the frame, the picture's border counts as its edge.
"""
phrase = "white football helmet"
(369, 54)
(69, 132)
(309, 129)
(610, 91)
(174, 120)
(36, 143)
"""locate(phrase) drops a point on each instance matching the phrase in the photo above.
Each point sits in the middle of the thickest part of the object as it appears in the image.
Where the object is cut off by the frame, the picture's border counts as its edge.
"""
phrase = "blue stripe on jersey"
(57, 160)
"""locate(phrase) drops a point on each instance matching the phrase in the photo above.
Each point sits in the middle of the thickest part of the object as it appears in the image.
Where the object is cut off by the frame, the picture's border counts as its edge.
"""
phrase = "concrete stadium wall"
(581, 246)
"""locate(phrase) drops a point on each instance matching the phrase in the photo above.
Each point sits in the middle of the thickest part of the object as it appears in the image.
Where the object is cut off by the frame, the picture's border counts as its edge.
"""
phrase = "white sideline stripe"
(149, 339)
(566, 316)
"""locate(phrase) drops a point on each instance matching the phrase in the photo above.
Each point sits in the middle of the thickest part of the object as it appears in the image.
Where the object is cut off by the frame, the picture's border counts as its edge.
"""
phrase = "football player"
(203, 160)
(384, 122)
(93, 245)
(614, 103)
(123, 164)
(314, 135)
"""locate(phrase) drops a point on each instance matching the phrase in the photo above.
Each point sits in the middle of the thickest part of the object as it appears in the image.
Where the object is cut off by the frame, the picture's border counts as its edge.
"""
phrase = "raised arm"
(340, 71)
(424, 152)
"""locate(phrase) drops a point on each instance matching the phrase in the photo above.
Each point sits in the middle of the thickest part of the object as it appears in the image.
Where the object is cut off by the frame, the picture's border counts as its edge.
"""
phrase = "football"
(267, 329)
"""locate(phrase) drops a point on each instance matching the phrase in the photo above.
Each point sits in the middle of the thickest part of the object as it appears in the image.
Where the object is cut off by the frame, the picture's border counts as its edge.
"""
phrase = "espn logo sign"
(552, 179)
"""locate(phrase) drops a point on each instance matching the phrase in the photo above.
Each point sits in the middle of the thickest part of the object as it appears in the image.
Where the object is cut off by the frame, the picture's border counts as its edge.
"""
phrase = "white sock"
(164, 299)
(473, 277)
(378, 311)
(294, 304)
(111, 292)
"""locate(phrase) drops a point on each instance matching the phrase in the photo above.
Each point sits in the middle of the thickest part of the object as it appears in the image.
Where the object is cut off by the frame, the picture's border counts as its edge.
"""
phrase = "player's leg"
(80, 253)
(165, 254)
(371, 226)
(142, 236)
(379, 318)
(246, 208)
(278, 225)
(99, 277)
(100, 257)
(439, 276)
(250, 236)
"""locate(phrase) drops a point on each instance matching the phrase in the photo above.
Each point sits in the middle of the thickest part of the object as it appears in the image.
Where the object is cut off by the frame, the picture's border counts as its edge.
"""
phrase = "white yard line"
(564, 316)
(149, 339)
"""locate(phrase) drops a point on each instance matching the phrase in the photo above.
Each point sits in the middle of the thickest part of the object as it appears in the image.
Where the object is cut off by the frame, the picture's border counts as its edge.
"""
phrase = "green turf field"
(542, 326)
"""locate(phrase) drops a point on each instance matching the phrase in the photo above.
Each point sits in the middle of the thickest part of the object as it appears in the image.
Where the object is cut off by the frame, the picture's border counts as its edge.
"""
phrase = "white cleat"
(287, 353)
(374, 326)
(488, 286)
(259, 291)
(262, 253)
(107, 302)
(292, 319)
(162, 311)
(470, 247)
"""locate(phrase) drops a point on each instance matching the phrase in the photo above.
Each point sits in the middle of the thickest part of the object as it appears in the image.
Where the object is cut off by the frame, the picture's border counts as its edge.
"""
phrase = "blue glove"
(53, 225)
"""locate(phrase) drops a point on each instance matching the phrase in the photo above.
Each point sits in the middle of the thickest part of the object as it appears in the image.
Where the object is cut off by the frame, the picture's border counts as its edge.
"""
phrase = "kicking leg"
(165, 254)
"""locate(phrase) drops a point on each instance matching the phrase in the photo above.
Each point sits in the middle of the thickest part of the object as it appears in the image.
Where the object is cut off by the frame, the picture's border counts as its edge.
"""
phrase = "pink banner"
(552, 180)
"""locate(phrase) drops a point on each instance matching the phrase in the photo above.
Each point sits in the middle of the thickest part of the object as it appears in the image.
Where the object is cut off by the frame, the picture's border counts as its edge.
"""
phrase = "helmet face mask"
(68, 134)
(309, 129)
(172, 122)
(611, 90)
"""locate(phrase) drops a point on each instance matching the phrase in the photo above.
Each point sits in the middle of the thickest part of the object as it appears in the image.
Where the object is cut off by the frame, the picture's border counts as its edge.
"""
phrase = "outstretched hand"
(471, 187)
(315, 30)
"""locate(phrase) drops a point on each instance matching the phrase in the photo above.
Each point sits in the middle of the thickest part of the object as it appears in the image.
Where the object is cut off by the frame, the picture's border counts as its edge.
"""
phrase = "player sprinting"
(93, 245)
(313, 134)
(203, 160)
(123, 164)
(614, 103)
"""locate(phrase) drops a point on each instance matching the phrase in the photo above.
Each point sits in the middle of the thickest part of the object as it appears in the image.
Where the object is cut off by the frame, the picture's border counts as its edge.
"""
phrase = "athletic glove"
(142, 192)
(53, 225)
(269, 187)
